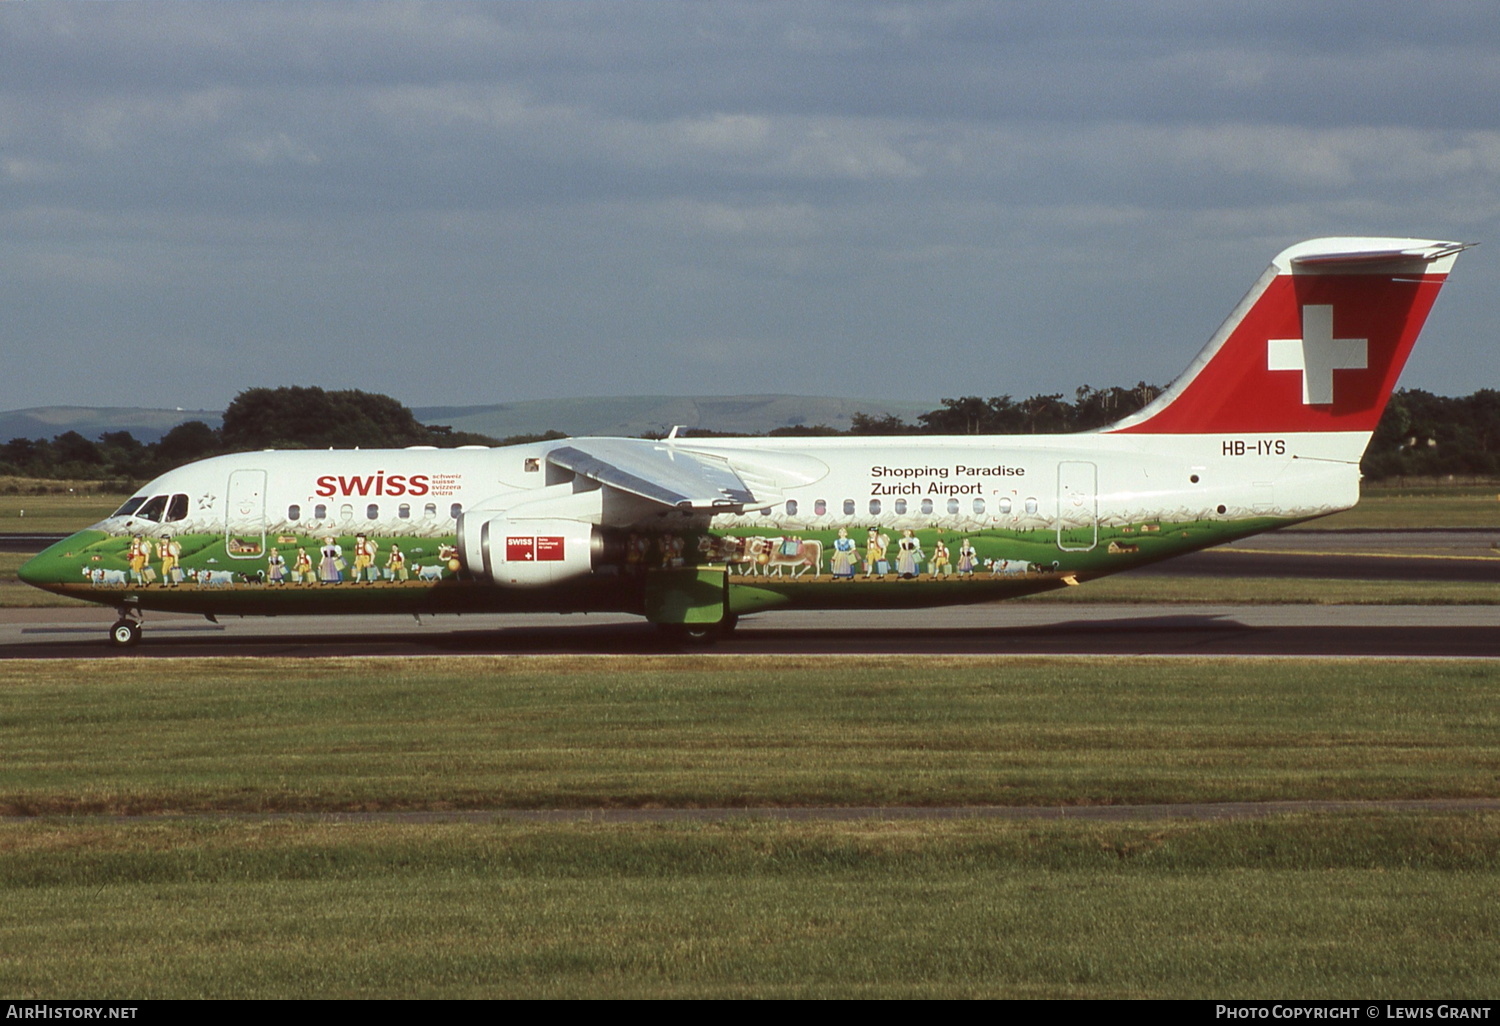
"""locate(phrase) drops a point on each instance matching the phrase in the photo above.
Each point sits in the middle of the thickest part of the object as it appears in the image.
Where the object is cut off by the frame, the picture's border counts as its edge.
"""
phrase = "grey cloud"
(533, 189)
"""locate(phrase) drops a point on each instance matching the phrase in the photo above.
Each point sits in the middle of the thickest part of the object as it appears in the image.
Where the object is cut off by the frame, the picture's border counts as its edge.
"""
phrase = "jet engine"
(530, 551)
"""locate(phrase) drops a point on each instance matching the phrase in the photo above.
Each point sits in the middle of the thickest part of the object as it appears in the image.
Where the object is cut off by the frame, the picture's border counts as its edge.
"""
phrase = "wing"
(692, 479)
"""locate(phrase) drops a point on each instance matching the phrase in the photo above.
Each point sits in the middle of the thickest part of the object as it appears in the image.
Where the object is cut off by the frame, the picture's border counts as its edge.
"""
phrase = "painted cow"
(770, 556)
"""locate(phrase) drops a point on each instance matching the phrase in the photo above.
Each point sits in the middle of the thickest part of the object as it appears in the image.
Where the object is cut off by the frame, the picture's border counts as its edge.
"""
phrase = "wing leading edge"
(687, 479)
(658, 472)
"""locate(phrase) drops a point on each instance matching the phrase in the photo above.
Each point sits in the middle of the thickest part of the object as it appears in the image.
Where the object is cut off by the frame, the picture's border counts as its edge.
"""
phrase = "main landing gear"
(699, 633)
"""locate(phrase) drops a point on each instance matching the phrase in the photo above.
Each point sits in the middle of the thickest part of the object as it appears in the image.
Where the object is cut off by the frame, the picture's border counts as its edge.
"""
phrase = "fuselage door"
(245, 515)
(1077, 506)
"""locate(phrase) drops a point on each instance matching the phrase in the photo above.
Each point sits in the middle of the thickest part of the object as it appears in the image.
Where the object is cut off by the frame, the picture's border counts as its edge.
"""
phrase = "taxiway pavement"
(992, 629)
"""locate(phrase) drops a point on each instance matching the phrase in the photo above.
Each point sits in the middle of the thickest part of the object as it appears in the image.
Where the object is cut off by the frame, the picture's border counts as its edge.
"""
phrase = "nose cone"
(60, 563)
(32, 571)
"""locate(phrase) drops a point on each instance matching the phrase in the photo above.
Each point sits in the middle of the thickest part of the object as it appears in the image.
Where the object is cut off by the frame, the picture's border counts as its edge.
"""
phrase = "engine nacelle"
(529, 551)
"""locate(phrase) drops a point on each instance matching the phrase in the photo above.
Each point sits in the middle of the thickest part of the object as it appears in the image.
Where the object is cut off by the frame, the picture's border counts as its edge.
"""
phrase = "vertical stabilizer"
(1316, 346)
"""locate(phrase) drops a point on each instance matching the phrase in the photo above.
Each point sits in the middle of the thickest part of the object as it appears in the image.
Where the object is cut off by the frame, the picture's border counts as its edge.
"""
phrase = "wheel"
(125, 633)
(692, 633)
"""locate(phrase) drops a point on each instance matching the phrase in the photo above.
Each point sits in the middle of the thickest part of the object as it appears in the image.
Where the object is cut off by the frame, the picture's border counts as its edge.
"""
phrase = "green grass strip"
(1383, 906)
(267, 735)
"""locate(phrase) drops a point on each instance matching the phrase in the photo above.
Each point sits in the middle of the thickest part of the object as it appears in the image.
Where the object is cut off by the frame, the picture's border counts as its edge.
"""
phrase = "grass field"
(1355, 907)
(1374, 905)
(1391, 507)
(56, 514)
(280, 735)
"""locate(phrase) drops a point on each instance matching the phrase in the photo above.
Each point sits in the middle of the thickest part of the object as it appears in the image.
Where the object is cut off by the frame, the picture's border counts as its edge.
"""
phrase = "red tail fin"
(1317, 345)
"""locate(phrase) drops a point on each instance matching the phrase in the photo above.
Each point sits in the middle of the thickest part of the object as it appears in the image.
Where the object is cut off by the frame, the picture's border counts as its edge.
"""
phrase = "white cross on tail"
(1317, 354)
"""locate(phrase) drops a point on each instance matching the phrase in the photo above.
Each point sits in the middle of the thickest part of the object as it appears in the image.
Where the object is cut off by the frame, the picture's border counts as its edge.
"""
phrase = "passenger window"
(901, 507)
(178, 510)
(875, 507)
(346, 512)
(791, 507)
(1005, 506)
(926, 505)
(848, 507)
(153, 509)
(430, 510)
(294, 513)
(455, 509)
(820, 507)
(320, 512)
(978, 505)
(1030, 504)
(952, 505)
(372, 512)
(404, 511)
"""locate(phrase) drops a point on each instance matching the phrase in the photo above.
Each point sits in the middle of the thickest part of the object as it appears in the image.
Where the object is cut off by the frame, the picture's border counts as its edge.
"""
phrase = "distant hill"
(91, 422)
(606, 415)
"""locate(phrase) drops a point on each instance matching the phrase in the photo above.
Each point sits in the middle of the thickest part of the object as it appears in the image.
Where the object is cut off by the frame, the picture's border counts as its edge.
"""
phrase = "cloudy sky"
(478, 202)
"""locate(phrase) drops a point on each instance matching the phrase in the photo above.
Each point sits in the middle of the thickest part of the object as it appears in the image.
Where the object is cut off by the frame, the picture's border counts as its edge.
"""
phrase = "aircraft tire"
(125, 633)
(693, 633)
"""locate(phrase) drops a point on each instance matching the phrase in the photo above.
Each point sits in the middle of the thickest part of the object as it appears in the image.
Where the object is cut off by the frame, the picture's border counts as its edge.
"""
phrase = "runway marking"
(1343, 554)
(155, 629)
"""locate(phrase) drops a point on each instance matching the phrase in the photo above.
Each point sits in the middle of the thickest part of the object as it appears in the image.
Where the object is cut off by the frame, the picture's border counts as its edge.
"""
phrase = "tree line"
(258, 418)
(1420, 434)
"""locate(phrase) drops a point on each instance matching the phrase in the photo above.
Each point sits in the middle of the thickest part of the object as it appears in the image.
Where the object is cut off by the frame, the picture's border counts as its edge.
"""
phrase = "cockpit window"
(153, 509)
(178, 508)
(131, 505)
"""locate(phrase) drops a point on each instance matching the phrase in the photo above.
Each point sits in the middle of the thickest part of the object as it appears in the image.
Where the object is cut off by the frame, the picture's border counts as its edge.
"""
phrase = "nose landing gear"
(126, 631)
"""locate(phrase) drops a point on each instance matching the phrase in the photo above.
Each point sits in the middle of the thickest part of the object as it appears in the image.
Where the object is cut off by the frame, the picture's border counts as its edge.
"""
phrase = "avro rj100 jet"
(1264, 429)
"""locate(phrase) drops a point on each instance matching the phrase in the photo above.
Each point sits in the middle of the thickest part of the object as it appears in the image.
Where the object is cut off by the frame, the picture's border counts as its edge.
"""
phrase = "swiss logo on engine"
(534, 549)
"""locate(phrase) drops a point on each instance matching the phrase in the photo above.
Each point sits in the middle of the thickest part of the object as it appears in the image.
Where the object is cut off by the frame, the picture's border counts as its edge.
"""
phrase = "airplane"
(1264, 429)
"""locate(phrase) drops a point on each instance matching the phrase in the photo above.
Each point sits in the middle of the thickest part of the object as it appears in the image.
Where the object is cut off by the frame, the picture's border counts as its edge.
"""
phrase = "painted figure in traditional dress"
(940, 566)
(968, 559)
(908, 555)
(331, 562)
(841, 563)
(395, 565)
(365, 551)
(302, 568)
(169, 551)
(139, 555)
(875, 554)
(275, 568)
